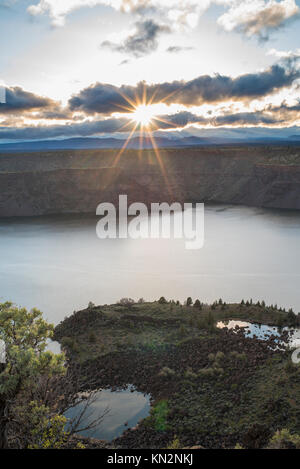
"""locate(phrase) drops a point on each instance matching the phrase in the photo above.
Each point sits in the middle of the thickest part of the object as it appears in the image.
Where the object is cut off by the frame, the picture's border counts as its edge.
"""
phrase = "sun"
(143, 115)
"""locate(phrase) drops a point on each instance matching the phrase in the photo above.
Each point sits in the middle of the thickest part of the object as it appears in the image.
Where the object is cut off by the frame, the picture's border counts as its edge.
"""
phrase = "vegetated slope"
(209, 387)
(77, 181)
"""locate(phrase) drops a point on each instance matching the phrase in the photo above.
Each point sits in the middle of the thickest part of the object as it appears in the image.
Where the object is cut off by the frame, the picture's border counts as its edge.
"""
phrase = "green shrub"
(159, 414)
(283, 439)
(175, 444)
(92, 337)
(166, 372)
(189, 374)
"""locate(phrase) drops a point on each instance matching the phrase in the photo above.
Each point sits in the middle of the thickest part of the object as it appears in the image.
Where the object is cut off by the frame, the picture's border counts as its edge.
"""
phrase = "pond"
(126, 409)
(262, 331)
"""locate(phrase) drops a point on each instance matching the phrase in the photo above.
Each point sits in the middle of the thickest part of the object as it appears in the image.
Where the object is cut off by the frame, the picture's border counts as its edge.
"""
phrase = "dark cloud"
(55, 113)
(183, 119)
(124, 62)
(178, 120)
(271, 115)
(245, 118)
(177, 49)
(104, 98)
(83, 129)
(18, 100)
(144, 40)
(279, 115)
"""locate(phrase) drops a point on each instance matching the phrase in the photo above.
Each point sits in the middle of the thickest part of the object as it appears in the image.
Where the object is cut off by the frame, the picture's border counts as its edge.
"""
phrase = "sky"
(90, 68)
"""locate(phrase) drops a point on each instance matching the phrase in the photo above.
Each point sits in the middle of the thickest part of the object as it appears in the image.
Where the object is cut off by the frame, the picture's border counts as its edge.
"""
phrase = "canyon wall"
(77, 181)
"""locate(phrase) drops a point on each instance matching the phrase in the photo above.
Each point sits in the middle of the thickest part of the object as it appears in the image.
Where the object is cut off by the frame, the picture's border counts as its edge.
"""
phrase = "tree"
(36, 386)
(198, 305)
(128, 302)
(162, 301)
(25, 336)
(189, 301)
(291, 318)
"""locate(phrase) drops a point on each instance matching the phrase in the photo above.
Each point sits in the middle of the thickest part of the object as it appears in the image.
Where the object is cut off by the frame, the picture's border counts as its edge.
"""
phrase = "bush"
(126, 302)
(189, 374)
(159, 414)
(256, 437)
(290, 367)
(283, 439)
(69, 343)
(220, 356)
(162, 301)
(175, 444)
(92, 337)
(182, 331)
(166, 372)
(206, 372)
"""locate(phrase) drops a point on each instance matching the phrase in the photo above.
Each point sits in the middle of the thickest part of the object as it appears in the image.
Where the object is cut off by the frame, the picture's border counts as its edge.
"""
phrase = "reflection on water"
(58, 264)
(263, 332)
(126, 409)
(2, 351)
(53, 346)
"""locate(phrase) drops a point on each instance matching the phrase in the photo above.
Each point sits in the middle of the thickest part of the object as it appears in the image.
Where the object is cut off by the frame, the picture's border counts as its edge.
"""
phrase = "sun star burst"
(143, 115)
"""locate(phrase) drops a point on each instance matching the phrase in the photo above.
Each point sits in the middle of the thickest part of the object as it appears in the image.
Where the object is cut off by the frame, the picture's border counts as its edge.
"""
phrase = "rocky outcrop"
(76, 182)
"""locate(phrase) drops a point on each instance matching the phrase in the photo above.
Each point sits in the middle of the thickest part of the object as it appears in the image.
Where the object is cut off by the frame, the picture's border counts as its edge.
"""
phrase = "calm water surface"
(262, 331)
(125, 409)
(58, 265)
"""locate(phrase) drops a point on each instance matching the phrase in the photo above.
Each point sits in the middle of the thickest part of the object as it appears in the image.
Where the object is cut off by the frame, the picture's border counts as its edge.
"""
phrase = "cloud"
(257, 17)
(286, 55)
(178, 49)
(282, 115)
(185, 12)
(18, 100)
(83, 129)
(251, 17)
(102, 98)
(143, 41)
(178, 120)
(59, 9)
(245, 118)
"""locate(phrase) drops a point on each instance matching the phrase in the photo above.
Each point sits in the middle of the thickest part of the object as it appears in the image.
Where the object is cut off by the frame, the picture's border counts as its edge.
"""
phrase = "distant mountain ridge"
(135, 143)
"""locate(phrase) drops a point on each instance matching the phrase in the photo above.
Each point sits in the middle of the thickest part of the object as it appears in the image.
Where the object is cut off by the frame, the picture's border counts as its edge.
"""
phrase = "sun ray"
(125, 145)
(161, 163)
(144, 117)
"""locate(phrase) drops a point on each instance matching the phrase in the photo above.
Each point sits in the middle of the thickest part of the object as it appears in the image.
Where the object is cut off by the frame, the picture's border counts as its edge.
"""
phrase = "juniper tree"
(24, 336)
(189, 301)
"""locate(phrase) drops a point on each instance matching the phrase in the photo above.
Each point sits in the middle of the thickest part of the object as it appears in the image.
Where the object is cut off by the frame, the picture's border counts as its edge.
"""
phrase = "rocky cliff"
(77, 181)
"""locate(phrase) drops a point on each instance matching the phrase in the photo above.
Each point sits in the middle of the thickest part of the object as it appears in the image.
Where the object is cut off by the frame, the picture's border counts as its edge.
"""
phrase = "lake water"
(262, 331)
(58, 264)
(125, 409)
